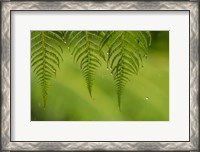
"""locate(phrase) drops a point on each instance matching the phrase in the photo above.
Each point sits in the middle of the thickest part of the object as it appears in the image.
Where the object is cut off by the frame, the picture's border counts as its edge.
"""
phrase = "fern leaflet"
(46, 54)
(85, 48)
(125, 54)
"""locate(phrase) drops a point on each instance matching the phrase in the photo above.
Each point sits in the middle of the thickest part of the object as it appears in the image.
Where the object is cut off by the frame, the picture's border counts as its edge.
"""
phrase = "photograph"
(99, 75)
(108, 76)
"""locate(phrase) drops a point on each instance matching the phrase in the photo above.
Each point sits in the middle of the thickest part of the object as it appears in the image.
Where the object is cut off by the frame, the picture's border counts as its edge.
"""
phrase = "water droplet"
(107, 53)
(64, 42)
(68, 47)
(146, 98)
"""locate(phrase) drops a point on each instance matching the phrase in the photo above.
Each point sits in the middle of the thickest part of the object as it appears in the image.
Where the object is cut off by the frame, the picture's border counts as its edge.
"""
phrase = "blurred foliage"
(145, 98)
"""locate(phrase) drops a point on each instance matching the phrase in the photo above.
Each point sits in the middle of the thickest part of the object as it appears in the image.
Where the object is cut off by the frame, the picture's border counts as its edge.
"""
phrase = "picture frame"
(8, 7)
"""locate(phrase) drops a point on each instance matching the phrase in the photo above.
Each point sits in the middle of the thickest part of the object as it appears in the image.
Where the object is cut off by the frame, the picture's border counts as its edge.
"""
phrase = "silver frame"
(7, 6)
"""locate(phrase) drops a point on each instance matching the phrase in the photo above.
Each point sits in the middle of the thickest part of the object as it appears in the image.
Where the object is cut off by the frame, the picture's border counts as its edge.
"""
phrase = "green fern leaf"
(125, 55)
(46, 54)
(85, 48)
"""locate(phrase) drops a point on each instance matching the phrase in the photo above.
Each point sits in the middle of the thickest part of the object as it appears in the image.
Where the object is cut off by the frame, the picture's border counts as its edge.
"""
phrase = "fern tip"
(44, 107)
(119, 109)
(90, 94)
(119, 103)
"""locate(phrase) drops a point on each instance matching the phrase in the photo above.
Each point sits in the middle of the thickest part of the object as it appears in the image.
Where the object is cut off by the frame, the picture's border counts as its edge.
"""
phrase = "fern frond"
(125, 55)
(46, 54)
(85, 48)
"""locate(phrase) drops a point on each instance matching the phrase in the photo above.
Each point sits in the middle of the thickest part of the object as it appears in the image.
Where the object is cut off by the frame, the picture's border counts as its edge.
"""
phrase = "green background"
(145, 97)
